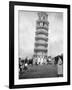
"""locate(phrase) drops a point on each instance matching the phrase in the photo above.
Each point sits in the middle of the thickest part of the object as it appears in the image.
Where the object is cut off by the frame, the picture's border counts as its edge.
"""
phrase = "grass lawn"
(39, 71)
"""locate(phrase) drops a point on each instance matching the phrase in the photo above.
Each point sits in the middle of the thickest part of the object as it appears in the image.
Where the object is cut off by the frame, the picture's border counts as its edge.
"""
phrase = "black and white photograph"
(39, 36)
(40, 44)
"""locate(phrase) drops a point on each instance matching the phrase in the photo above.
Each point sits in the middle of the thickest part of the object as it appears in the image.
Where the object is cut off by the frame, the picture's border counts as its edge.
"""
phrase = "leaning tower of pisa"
(41, 35)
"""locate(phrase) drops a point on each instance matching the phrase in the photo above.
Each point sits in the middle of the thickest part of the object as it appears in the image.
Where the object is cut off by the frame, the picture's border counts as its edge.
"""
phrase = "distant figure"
(21, 66)
(56, 60)
(31, 61)
(45, 60)
(35, 60)
(26, 66)
(26, 63)
(26, 60)
(60, 67)
(41, 61)
(38, 62)
(20, 69)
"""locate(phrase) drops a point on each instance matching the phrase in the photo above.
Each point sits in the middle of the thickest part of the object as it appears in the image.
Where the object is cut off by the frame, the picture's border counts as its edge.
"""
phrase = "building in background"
(41, 38)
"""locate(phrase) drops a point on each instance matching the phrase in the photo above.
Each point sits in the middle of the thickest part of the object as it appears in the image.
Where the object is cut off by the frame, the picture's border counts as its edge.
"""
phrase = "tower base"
(40, 60)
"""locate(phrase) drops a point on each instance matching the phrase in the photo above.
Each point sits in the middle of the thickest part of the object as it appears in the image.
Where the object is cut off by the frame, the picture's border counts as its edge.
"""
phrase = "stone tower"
(41, 35)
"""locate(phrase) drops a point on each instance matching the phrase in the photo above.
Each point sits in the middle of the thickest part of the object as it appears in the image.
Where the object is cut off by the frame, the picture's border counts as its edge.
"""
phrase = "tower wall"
(41, 35)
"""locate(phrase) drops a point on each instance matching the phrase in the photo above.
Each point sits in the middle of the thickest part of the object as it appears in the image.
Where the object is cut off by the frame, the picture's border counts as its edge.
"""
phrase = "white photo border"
(18, 81)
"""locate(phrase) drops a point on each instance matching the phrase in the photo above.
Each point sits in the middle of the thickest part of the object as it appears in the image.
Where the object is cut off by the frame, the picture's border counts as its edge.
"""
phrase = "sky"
(27, 29)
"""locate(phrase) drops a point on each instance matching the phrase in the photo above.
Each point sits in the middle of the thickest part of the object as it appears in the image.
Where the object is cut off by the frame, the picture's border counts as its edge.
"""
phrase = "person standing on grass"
(41, 62)
(26, 63)
(60, 67)
(38, 60)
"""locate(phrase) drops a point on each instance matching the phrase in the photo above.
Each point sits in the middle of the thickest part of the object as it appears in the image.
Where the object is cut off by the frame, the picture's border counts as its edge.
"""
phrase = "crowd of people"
(58, 60)
(23, 63)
